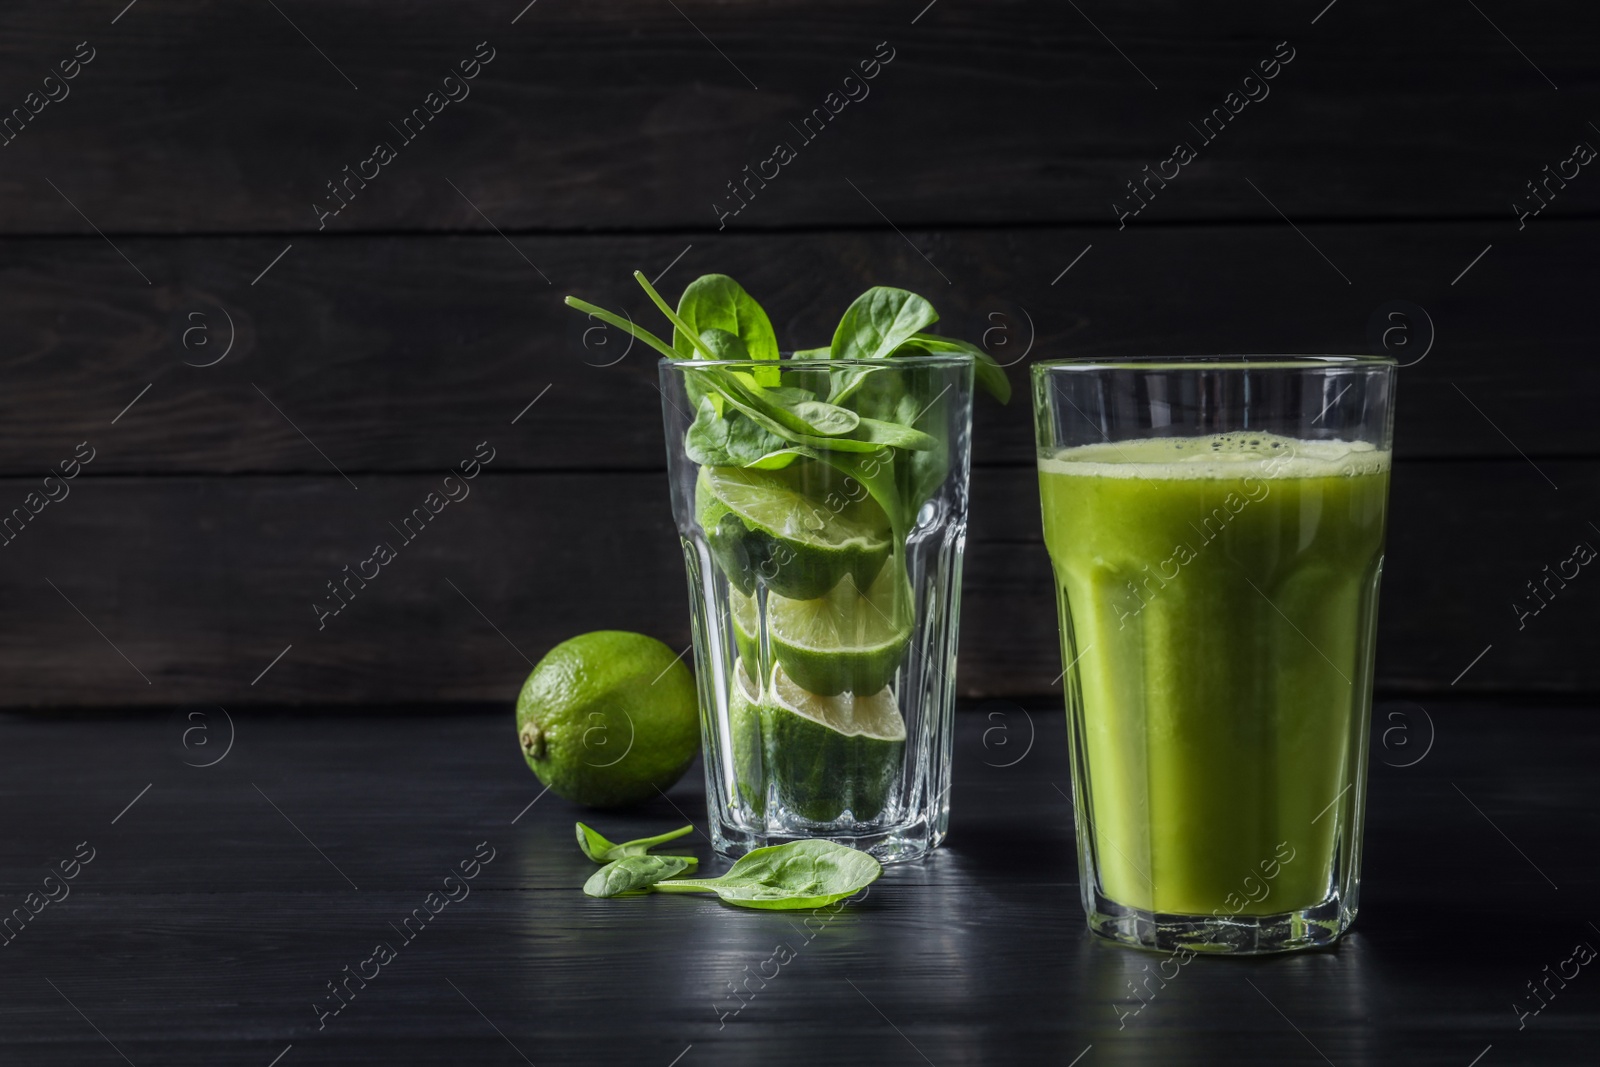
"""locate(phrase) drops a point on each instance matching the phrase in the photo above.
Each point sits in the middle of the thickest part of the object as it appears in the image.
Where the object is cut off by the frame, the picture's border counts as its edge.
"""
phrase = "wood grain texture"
(206, 926)
(392, 354)
(168, 201)
(200, 582)
(204, 116)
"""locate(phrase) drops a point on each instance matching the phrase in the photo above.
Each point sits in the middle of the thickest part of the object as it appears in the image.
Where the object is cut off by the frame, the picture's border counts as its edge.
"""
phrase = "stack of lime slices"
(822, 621)
(825, 757)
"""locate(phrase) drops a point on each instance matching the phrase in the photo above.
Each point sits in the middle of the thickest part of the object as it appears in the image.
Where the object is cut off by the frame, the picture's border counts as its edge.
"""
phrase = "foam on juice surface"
(1215, 456)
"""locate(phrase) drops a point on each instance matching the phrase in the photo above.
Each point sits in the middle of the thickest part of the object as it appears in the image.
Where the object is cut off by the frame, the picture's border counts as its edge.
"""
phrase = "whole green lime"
(609, 718)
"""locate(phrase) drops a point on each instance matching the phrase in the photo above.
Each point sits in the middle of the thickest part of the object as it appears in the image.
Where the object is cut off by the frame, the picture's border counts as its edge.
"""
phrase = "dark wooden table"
(221, 901)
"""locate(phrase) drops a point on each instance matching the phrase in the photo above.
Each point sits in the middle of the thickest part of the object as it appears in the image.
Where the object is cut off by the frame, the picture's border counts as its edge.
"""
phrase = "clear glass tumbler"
(1216, 528)
(824, 586)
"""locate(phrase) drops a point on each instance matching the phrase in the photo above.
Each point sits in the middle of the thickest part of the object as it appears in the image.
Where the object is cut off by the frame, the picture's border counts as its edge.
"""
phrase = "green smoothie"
(1218, 597)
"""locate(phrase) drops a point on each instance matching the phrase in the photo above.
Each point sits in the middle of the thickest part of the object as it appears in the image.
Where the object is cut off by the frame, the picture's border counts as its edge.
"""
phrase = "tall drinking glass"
(824, 585)
(1216, 528)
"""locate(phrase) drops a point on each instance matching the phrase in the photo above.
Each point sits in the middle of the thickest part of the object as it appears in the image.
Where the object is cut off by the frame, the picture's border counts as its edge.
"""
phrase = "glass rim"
(1265, 361)
(788, 362)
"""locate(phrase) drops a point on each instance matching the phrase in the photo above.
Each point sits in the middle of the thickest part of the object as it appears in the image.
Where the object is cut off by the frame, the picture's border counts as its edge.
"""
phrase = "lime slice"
(798, 530)
(832, 757)
(844, 641)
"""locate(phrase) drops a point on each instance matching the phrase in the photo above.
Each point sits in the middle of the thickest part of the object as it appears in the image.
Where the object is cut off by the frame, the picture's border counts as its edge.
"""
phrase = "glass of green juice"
(1216, 525)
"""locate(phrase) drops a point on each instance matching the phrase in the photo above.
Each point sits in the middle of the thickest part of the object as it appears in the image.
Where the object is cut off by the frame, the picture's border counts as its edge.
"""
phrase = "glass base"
(1240, 935)
(896, 844)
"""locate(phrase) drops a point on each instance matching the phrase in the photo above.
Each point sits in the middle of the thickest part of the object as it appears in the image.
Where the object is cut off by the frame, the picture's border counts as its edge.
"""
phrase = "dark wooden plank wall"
(199, 115)
(139, 212)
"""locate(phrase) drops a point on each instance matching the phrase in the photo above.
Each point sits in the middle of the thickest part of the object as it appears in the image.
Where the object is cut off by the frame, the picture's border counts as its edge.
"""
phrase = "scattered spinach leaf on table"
(635, 875)
(800, 874)
(597, 848)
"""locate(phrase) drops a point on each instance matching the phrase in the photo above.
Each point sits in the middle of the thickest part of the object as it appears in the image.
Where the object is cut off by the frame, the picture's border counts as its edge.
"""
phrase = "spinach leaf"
(812, 423)
(679, 327)
(850, 383)
(594, 844)
(880, 321)
(883, 320)
(800, 874)
(924, 472)
(918, 473)
(830, 420)
(735, 400)
(730, 439)
(634, 875)
(795, 409)
(866, 427)
(716, 301)
(781, 458)
(597, 848)
(988, 371)
(847, 383)
(726, 345)
(869, 436)
(880, 432)
(784, 394)
(850, 386)
(623, 324)
(876, 471)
